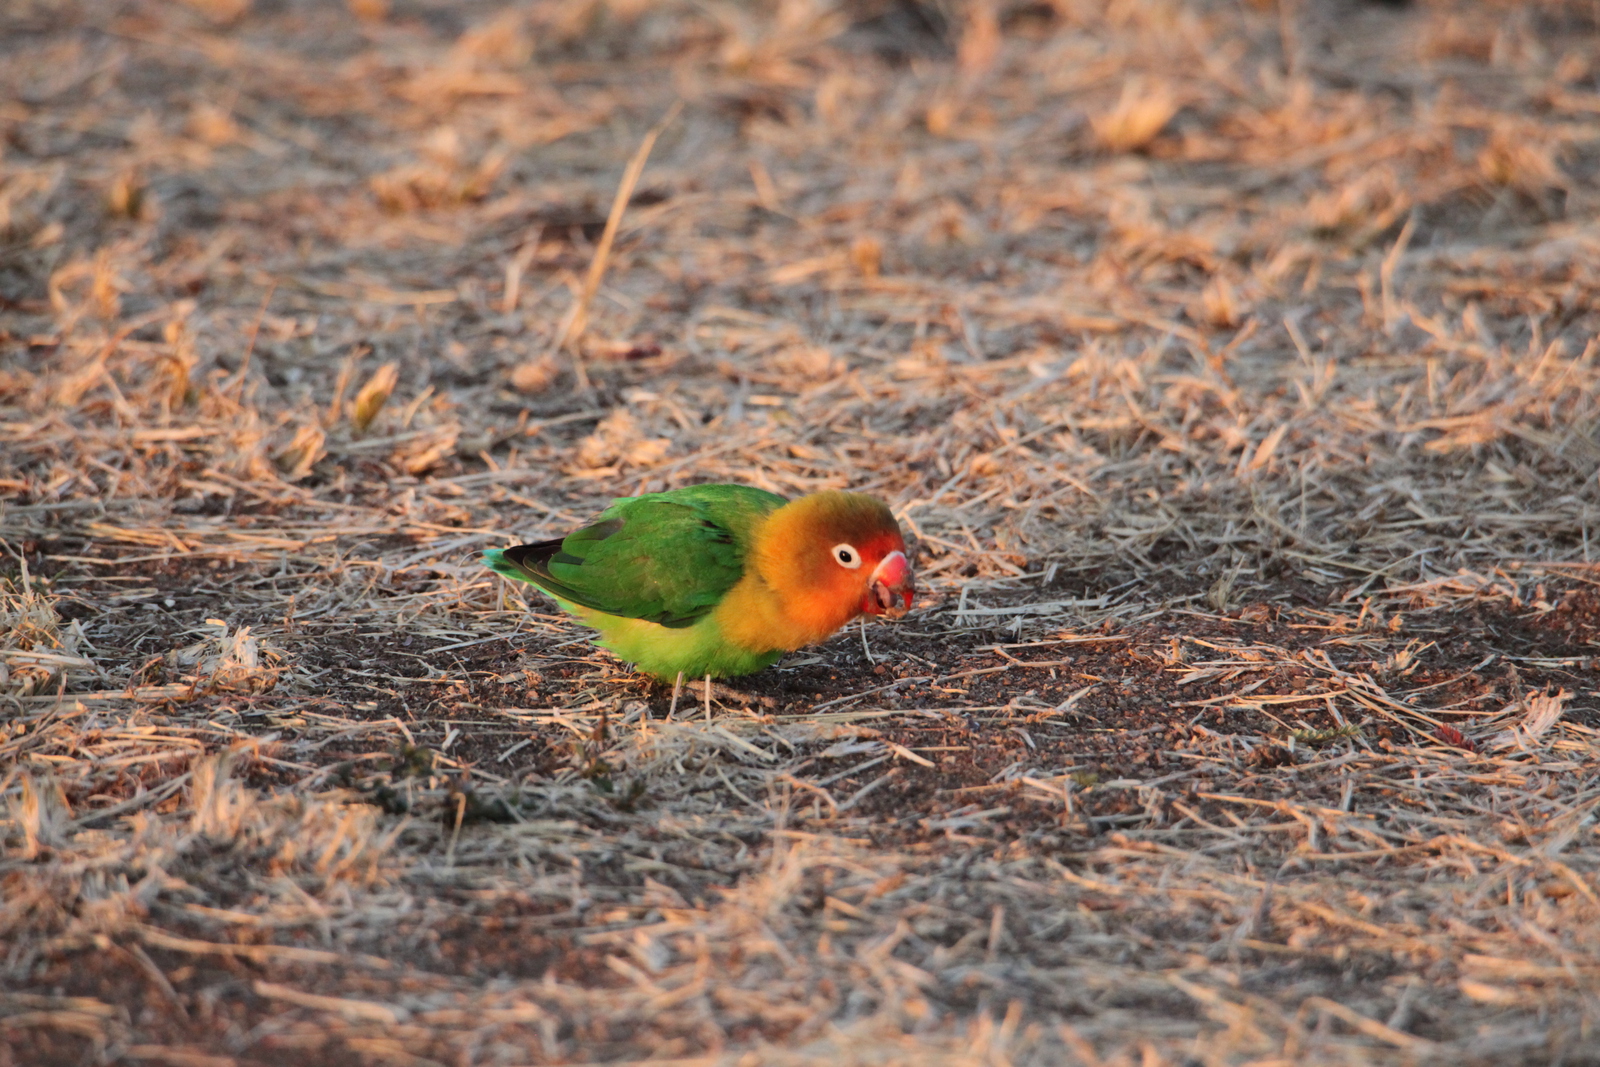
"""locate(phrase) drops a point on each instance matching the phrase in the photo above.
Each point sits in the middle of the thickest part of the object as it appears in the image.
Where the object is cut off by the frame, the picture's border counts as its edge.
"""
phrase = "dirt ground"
(1231, 365)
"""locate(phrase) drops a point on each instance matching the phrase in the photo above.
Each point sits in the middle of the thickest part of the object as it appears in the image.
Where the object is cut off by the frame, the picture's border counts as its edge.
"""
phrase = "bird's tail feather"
(495, 560)
(526, 563)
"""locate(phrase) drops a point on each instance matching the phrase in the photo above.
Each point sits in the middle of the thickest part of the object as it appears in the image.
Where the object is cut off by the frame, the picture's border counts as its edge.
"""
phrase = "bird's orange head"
(832, 556)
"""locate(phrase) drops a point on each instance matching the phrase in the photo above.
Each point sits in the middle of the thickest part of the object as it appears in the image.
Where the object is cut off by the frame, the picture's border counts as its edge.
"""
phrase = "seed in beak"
(891, 581)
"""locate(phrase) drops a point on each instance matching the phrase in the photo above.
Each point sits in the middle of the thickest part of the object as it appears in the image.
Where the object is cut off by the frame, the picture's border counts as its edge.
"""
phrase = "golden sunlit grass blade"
(1142, 112)
(372, 396)
(572, 331)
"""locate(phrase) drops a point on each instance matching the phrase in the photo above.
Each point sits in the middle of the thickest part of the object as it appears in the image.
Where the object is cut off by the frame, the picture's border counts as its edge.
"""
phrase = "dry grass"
(1234, 366)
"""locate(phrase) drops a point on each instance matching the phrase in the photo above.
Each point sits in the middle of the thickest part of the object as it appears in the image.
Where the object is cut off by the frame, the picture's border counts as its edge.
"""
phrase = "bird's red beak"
(890, 580)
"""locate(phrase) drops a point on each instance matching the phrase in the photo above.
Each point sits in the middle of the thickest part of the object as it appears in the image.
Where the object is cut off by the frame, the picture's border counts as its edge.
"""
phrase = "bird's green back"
(666, 558)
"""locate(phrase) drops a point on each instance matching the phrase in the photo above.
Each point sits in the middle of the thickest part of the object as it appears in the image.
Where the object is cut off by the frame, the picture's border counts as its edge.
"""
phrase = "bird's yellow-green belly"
(664, 651)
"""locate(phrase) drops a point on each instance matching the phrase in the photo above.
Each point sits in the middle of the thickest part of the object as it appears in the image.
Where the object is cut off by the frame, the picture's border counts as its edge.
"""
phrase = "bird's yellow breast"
(754, 616)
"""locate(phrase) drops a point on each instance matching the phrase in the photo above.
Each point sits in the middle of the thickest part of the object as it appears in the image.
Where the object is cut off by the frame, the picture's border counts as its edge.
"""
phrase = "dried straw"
(1233, 369)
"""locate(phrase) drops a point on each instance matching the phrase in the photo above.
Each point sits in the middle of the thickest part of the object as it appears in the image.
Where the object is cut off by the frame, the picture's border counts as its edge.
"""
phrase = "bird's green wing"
(668, 558)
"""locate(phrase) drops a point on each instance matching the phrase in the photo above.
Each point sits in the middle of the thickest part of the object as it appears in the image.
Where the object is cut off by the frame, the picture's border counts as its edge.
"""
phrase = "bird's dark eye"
(846, 556)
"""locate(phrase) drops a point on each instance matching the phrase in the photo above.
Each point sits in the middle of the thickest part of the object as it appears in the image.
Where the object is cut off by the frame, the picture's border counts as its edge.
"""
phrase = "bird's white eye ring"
(846, 556)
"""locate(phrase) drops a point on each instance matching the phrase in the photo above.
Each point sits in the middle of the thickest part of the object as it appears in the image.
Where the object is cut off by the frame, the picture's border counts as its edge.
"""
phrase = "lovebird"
(720, 580)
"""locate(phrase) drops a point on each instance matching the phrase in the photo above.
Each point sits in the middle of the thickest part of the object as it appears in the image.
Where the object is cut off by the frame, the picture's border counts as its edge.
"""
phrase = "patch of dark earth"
(211, 1004)
(1132, 711)
(1133, 723)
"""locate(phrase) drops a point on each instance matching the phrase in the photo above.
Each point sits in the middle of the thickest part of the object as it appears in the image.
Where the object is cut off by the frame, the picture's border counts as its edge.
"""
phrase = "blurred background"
(1088, 271)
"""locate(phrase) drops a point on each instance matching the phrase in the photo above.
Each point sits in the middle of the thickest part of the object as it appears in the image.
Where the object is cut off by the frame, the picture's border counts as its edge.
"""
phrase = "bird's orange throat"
(754, 616)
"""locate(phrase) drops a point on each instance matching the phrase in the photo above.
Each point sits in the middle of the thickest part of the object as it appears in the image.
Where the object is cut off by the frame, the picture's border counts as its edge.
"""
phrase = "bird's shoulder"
(711, 509)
